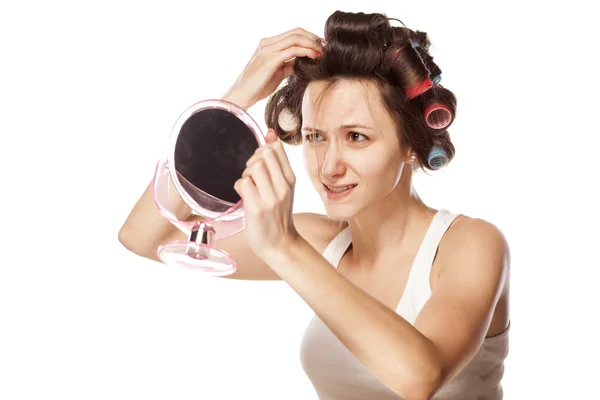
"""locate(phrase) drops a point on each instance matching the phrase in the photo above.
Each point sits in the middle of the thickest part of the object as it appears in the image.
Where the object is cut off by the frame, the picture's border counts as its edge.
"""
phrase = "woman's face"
(351, 147)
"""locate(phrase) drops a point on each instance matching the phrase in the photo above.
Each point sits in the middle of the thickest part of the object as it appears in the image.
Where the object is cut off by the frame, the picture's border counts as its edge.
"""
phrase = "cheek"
(381, 170)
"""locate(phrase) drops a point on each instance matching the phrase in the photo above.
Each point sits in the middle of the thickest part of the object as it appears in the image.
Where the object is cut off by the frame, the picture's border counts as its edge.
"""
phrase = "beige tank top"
(337, 374)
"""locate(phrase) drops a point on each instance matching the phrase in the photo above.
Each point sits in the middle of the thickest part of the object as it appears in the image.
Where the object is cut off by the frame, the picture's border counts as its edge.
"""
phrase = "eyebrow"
(347, 126)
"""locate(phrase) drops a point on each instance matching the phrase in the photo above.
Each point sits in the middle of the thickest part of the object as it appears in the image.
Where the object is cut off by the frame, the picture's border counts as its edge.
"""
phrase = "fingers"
(299, 31)
(270, 40)
(288, 69)
(271, 136)
(291, 52)
(248, 192)
(281, 185)
(295, 43)
(284, 163)
(259, 173)
(294, 40)
(277, 161)
(268, 177)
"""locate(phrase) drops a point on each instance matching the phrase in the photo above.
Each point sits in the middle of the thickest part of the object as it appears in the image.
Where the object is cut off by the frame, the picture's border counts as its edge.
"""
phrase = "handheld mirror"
(208, 148)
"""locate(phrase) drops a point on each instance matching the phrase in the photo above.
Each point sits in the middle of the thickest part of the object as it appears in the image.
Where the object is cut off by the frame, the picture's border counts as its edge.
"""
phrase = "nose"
(333, 164)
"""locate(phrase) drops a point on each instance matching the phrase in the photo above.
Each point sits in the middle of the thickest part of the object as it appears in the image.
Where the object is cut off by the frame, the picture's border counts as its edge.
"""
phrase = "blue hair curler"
(437, 158)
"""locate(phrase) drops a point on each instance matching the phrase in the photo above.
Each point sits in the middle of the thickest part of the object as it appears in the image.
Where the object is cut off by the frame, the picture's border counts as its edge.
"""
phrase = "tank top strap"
(417, 290)
(338, 246)
(441, 221)
(426, 254)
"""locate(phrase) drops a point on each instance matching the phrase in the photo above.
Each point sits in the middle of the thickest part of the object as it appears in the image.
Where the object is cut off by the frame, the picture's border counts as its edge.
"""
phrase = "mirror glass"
(209, 146)
(211, 151)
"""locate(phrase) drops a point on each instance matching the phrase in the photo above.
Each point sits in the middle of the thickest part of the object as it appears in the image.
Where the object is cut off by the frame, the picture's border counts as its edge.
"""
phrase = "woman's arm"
(413, 361)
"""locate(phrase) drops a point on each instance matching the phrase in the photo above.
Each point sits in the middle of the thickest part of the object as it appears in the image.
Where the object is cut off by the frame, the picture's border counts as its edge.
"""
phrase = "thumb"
(271, 136)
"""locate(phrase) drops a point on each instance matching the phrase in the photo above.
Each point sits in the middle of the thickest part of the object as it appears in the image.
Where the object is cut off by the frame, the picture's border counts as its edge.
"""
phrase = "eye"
(311, 137)
(356, 137)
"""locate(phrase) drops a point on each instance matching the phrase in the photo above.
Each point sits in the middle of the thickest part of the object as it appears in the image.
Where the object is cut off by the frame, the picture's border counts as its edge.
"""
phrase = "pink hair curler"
(437, 116)
(200, 148)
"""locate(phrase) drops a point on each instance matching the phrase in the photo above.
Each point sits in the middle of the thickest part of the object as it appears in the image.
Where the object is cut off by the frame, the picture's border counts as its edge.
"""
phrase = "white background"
(89, 92)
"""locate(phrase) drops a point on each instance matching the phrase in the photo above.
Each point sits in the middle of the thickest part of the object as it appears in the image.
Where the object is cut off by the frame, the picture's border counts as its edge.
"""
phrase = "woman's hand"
(267, 190)
(270, 64)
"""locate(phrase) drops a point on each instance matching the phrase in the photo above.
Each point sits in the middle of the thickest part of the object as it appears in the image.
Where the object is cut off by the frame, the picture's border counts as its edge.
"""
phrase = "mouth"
(336, 192)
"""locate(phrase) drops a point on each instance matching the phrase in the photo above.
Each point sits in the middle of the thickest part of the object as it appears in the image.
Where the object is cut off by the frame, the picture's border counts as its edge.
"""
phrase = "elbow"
(125, 237)
(129, 241)
(422, 386)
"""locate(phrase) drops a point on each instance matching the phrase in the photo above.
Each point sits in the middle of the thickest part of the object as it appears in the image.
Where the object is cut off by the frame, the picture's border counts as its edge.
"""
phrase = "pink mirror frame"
(219, 219)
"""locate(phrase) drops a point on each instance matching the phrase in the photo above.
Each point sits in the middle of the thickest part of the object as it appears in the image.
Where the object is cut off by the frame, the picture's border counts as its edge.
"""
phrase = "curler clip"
(433, 72)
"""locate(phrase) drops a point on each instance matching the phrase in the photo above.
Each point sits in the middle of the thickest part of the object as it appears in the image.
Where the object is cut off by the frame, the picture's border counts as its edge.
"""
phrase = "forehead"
(345, 102)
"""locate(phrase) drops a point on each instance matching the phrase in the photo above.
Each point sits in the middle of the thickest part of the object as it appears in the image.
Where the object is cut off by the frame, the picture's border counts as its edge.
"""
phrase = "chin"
(340, 212)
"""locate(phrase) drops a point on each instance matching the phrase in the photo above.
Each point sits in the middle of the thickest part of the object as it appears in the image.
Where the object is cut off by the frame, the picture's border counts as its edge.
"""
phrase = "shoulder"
(477, 246)
(477, 231)
(318, 229)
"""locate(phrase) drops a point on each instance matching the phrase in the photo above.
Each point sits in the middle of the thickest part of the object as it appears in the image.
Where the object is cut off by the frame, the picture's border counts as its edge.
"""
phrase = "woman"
(417, 304)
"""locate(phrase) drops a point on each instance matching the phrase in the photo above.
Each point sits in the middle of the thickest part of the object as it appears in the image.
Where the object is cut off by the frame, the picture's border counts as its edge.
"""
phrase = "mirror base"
(199, 257)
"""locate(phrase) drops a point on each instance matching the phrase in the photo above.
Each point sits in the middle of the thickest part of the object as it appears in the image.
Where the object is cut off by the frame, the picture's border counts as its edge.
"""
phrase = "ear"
(410, 156)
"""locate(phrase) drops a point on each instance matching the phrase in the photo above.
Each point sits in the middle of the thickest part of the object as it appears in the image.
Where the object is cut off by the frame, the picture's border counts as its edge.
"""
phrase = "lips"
(339, 189)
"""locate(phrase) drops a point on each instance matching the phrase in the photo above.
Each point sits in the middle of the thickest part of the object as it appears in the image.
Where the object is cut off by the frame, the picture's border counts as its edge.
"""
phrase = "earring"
(413, 158)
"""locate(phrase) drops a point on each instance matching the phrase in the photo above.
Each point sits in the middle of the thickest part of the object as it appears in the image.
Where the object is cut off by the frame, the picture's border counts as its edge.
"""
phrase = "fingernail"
(322, 42)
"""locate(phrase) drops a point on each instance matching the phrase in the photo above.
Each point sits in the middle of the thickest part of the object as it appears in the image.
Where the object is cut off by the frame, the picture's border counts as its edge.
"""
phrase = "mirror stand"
(209, 146)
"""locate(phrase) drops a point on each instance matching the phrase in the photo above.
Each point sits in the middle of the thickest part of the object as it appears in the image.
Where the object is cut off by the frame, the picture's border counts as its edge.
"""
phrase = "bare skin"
(382, 275)
(145, 228)
(387, 218)
(387, 285)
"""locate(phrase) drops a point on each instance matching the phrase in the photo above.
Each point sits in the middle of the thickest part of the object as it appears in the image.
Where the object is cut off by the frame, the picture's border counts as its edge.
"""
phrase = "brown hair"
(366, 47)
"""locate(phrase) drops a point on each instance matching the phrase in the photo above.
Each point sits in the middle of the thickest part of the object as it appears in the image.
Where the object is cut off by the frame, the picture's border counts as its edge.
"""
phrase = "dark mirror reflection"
(211, 152)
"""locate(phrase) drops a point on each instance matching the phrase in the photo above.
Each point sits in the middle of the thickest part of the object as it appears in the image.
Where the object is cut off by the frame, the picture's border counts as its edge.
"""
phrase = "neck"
(385, 228)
